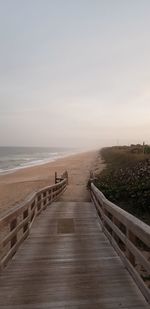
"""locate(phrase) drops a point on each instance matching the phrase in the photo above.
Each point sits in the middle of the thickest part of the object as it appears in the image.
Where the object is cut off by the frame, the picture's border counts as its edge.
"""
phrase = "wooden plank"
(138, 227)
(129, 245)
(14, 225)
(65, 226)
(68, 270)
(112, 217)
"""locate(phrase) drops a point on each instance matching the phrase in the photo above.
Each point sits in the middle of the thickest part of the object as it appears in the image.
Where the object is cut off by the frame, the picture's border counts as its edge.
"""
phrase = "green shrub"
(147, 149)
(126, 180)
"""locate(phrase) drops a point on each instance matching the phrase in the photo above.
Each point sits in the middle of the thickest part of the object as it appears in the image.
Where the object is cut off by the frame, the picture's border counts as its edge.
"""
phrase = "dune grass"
(126, 179)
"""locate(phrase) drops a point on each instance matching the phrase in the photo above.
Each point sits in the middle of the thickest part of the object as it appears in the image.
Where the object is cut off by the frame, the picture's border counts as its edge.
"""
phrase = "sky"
(74, 73)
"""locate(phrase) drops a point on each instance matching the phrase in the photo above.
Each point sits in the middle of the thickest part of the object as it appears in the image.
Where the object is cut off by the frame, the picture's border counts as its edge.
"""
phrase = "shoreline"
(16, 186)
(34, 163)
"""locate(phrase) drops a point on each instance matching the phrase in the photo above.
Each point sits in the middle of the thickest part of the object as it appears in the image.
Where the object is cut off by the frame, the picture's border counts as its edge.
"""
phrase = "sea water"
(13, 158)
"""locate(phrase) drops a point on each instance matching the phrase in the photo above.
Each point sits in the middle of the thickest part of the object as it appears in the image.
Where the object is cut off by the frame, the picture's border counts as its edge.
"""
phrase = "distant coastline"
(16, 158)
(15, 187)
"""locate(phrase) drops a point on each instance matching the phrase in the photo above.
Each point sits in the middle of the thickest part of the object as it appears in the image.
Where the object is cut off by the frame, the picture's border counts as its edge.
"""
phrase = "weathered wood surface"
(16, 226)
(129, 236)
(67, 262)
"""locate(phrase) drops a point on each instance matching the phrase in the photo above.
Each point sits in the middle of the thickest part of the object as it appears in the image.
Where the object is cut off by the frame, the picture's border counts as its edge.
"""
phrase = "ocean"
(13, 158)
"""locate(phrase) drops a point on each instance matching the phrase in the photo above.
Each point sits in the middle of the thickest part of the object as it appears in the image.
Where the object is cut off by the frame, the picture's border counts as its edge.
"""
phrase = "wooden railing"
(15, 226)
(129, 236)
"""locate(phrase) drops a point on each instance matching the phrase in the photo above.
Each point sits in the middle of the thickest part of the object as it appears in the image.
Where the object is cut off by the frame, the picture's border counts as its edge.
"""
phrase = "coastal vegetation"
(126, 178)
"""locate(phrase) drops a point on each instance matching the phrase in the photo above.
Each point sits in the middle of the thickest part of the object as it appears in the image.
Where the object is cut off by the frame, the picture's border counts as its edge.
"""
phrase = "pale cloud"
(74, 73)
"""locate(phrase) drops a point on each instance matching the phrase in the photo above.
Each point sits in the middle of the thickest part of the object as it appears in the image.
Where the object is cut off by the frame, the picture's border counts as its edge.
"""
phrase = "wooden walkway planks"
(67, 262)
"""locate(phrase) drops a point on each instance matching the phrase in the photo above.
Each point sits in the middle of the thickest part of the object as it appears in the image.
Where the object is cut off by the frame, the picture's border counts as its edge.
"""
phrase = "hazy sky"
(74, 72)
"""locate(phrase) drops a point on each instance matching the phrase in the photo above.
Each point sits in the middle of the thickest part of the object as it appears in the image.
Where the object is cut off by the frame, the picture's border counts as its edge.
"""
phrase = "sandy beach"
(15, 187)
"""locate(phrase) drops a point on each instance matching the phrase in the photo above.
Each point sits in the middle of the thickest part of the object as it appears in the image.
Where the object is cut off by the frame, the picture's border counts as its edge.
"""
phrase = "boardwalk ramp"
(68, 262)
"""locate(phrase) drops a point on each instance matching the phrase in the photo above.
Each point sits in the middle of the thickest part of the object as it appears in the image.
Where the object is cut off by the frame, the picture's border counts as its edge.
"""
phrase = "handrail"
(15, 226)
(129, 236)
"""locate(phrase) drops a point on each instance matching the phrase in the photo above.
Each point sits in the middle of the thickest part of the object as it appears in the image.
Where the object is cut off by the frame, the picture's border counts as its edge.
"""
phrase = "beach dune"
(15, 187)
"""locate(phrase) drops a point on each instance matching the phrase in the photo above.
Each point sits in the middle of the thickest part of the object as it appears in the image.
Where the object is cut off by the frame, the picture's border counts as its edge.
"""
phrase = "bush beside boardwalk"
(126, 178)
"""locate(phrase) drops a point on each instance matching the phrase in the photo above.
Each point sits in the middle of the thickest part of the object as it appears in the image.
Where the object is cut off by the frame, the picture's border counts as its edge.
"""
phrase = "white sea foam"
(13, 159)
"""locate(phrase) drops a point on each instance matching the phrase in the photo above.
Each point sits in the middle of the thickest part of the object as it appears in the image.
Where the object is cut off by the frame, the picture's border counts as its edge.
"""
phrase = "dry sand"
(15, 187)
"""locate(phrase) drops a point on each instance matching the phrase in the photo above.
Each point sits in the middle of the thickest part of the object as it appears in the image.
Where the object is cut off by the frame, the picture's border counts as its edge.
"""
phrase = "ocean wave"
(11, 163)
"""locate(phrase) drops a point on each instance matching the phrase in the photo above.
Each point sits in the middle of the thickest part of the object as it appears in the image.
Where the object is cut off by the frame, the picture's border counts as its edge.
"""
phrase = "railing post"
(67, 182)
(127, 232)
(130, 256)
(15, 227)
(55, 177)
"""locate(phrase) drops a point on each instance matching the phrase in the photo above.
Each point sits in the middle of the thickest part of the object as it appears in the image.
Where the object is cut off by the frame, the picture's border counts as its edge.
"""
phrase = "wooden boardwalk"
(67, 262)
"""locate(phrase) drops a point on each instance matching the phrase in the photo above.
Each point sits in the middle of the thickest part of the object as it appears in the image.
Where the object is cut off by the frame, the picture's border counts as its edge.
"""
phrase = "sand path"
(15, 187)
